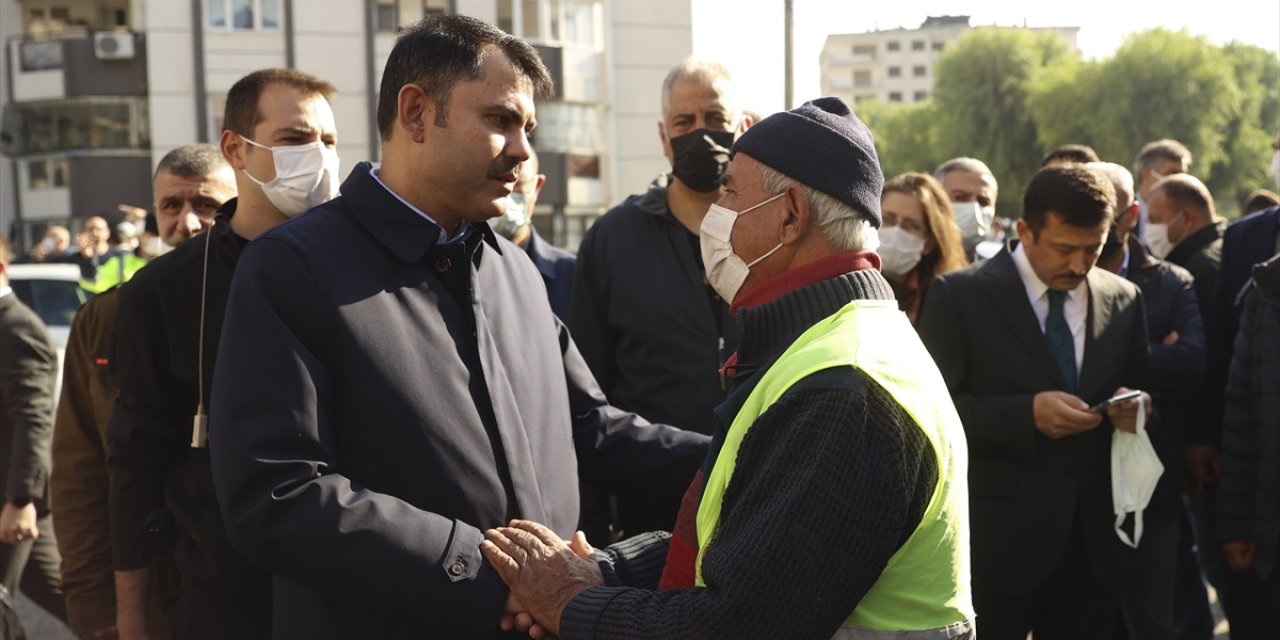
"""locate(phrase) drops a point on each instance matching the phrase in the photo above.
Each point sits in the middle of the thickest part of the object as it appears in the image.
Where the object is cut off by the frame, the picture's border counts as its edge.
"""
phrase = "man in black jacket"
(279, 136)
(28, 365)
(393, 380)
(651, 329)
(1176, 335)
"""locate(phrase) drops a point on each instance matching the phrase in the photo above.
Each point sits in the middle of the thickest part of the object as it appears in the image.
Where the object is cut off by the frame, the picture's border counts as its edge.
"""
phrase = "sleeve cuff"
(578, 620)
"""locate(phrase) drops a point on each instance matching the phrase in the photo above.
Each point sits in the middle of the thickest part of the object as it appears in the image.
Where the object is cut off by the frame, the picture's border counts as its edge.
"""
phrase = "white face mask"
(725, 270)
(1135, 471)
(900, 251)
(306, 176)
(512, 219)
(1275, 167)
(974, 221)
(1157, 237)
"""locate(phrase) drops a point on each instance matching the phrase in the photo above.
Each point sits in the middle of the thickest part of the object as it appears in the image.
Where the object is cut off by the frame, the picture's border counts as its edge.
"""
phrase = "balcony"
(78, 64)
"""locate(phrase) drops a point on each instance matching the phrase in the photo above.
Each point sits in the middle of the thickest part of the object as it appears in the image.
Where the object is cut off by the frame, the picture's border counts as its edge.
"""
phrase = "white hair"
(843, 226)
(972, 165)
(1121, 179)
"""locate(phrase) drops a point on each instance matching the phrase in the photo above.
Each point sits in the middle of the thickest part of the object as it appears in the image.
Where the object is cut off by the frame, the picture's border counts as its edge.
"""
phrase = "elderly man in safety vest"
(833, 501)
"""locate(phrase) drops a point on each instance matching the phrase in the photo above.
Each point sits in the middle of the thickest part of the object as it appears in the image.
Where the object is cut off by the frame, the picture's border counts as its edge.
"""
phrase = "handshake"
(543, 572)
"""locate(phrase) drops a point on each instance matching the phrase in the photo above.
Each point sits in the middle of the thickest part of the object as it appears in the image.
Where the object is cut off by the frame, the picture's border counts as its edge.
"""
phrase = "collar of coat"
(403, 232)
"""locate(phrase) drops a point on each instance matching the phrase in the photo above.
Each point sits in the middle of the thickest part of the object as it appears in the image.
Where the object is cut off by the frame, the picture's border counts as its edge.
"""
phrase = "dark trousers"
(1146, 599)
(1070, 606)
(32, 567)
(1191, 615)
(1246, 601)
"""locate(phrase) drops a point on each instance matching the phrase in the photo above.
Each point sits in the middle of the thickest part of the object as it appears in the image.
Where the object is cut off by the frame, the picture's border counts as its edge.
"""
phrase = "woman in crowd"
(919, 239)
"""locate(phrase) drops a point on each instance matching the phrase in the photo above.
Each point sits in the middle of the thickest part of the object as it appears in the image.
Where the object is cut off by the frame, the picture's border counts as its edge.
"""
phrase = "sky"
(747, 35)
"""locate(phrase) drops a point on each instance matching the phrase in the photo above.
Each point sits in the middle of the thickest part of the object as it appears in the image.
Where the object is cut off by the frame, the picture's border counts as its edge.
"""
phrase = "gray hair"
(972, 165)
(1154, 153)
(846, 228)
(703, 72)
(1121, 179)
(193, 161)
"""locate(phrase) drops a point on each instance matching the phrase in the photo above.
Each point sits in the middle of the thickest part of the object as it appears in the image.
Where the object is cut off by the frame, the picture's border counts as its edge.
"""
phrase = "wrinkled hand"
(1239, 554)
(1124, 415)
(1204, 464)
(543, 572)
(18, 524)
(1059, 414)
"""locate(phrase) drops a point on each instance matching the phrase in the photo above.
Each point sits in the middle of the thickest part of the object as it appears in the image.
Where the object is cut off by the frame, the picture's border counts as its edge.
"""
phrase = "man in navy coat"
(397, 382)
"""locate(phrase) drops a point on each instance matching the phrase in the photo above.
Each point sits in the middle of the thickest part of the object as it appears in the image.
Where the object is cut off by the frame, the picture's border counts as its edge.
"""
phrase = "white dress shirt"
(1075, 307)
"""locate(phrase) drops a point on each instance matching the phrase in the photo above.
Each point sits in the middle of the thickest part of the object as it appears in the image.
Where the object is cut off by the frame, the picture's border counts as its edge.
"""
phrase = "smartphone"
(1128, 395)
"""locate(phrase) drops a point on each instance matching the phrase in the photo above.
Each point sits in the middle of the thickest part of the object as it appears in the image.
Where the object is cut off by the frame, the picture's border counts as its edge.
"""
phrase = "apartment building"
(897, 65)
(95, 92)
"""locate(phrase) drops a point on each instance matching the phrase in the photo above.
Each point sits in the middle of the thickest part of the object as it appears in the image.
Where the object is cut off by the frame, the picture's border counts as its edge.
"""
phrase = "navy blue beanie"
(823, 145)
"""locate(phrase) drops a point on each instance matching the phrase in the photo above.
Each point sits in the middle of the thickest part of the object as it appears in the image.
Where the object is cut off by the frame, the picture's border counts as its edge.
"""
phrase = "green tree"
(1252, 128)
(980, 99)
(904, 136)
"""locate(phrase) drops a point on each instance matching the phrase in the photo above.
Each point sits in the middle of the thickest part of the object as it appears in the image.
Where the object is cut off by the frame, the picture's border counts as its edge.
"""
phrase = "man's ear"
(797, 217)
(415, 111)
(537, 186)
(666, 143)
(230, 144)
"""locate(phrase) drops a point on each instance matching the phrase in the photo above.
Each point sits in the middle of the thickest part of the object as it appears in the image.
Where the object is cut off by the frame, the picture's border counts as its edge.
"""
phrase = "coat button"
(443, 264)
(457, 568)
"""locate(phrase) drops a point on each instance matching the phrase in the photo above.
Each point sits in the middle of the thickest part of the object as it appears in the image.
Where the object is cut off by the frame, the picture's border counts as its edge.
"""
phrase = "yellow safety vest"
(925, 585)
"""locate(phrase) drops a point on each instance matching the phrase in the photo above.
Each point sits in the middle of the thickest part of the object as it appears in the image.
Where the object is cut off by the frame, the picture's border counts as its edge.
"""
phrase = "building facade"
(897, 65)
(95, 92)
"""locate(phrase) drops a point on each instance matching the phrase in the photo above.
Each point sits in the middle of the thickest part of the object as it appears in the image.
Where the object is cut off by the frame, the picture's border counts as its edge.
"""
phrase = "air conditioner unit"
(113, 45)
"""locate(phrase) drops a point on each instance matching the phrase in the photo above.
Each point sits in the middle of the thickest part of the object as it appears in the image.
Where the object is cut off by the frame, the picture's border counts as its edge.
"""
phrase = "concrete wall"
(647, 38)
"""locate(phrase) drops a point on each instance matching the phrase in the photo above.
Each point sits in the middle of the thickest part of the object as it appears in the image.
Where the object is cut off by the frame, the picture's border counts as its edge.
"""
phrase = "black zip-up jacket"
(154, 470)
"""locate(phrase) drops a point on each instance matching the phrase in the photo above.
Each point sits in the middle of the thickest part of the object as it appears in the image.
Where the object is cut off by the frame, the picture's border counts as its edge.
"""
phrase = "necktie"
(1061, 345)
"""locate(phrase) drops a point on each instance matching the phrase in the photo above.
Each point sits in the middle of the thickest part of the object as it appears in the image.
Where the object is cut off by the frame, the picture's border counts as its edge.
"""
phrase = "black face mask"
(701, 158)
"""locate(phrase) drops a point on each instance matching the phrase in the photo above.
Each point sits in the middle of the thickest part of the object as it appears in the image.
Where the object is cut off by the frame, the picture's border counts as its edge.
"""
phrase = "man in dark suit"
(515, 224)
(28, 365)
(1027, 342)
(374, 414)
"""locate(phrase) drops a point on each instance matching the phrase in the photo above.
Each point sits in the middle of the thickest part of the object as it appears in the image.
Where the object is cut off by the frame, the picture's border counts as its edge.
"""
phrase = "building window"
(894, 45)
(868, 50)
(434, 8)
(921, 96)
(565, 126)
(387, 16)
(895, 96)
(242, 15)
(938, 46)
(47, 173)
(861, 78)
(919, 71)
(579, 23)
(529, 23)
(83, 123)
(895, 72)
(917, 45)
(583, 166)
(506, 16)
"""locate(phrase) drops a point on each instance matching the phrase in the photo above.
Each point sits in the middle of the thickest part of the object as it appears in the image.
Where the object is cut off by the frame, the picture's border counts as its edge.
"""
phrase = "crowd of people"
(777, 394)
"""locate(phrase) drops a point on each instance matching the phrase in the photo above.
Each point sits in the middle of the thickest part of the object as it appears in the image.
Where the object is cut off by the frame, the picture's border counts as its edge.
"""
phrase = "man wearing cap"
(833, 500)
